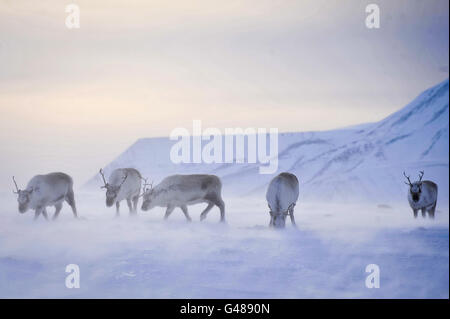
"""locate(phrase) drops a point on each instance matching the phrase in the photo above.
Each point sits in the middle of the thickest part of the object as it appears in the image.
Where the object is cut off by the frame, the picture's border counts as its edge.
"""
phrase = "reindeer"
(282, 196)
(124, 183)
(422, 196)
(46, 190)
(183, 190)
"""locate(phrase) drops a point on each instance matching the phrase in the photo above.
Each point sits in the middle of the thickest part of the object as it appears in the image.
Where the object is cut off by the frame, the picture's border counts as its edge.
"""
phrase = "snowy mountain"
(363, 162)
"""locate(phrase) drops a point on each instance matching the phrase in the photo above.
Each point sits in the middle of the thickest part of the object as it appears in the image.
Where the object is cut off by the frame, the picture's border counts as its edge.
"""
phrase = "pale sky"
(72, 100)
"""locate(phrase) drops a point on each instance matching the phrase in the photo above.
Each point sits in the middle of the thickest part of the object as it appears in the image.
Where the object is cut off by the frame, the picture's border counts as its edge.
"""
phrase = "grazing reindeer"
(183, 190)
(124, 183)
(282, 197)
(46, 190)
(422, 195)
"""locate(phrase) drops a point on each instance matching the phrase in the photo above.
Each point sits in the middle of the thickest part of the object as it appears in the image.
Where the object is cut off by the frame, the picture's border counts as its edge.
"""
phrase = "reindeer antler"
(145, 189)
(17, 188)
(407, 177)
(421, 175)
(104, 179)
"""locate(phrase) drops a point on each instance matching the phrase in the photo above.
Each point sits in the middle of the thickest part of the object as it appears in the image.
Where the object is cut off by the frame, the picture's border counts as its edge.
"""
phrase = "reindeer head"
(148, 196)
(415, 188)
(279, 218)
(23, 198)
(111, 190)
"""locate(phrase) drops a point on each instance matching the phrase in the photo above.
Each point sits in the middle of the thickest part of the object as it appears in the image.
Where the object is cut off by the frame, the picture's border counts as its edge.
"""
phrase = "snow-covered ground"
(145, 257)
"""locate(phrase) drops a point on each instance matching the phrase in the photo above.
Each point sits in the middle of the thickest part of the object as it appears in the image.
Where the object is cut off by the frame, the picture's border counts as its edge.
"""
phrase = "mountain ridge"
(364, 161)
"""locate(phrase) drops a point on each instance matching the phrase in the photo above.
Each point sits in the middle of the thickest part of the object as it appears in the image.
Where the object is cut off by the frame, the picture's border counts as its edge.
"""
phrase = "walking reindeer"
(422, 196)
(183, 190)
(46, 190)
(282, 196)
(123, 183)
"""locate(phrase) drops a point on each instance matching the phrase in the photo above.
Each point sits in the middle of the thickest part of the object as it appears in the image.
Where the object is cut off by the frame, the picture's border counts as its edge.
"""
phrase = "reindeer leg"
(70, 199)
(431, 211)
(130, 206)
(37, 212)
(169, 211)
(185, 211)
(271, 221)
(44, 213)
(222, 211)
(217, 200)
(415, 211)
(117, 209)
(206, 211)
(221, 206)
(291, 214)
(135, 203)
(58, 208)
(424, 212)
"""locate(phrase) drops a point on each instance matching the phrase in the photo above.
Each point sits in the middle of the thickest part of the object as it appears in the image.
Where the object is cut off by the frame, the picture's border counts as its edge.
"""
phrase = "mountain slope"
(364, 162)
